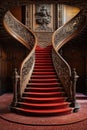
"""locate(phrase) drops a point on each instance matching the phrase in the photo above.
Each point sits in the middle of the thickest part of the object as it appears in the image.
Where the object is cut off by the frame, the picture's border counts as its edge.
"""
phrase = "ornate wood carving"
(27, 38)
(60, 37)
(68, 29)
(19, 29)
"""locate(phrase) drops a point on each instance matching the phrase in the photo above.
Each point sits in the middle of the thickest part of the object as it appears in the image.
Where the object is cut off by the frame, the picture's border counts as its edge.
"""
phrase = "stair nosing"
(45, 111)
(44, 104)
(55, 83)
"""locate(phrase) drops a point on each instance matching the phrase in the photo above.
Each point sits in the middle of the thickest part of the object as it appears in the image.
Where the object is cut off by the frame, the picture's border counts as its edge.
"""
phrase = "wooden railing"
(28, 39)
(60, 37)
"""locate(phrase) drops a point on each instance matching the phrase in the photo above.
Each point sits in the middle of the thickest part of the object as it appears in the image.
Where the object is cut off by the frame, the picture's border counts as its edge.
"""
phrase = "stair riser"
(41, 81)
(41, 114)
(43, 61)
(42, 90)
(43, 67)
(43, 77)
(43, 101)
(44, 73)
(42, 107)
(43, 51)
(45, 86)
(43, 64)
(46, 58)
(42, 96)
(42, 56)
(42, 70)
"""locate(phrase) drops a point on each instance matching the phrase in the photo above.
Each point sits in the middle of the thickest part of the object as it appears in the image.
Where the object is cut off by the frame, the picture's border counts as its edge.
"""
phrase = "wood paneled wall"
(11, 56)
(75, 54)
(17, 12)
(3, 69)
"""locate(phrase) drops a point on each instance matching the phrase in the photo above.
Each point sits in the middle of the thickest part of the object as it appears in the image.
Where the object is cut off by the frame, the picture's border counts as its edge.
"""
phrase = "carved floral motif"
(20, 30)
(67, 30)
(61, 66)
(27, 67)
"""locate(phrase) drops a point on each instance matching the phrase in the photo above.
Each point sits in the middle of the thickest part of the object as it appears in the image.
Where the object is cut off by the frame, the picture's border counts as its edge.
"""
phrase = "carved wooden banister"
(60, 37)
(28, 39)
(74, 79)
(16, 79)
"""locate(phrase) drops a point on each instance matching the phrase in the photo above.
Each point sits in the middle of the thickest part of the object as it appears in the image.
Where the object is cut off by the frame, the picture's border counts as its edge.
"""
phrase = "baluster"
(74, 79)
(15, 88)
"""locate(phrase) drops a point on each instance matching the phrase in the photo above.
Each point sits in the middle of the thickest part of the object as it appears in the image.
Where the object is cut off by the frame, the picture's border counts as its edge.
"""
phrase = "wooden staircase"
(44, 95)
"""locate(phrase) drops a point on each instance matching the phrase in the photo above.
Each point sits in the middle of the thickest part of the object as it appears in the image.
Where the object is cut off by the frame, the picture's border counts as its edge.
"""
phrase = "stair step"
(43, 67)
(42, 58)
(43, 70)
(42, 53)
(43, 76)
(43, 61)
(42, 94)
(43, 100)
(55, 84)
(43, 106)
(43, 49)
(44, 73)
(31, 112)
(43, 64)
(51, 80)
(43, 89)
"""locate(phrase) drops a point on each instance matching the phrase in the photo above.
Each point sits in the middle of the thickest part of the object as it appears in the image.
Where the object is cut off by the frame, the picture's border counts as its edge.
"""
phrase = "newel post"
(16, 78)
(74, 79)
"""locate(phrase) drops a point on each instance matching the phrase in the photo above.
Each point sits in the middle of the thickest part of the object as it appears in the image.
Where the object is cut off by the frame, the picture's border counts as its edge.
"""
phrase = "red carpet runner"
(44, 95)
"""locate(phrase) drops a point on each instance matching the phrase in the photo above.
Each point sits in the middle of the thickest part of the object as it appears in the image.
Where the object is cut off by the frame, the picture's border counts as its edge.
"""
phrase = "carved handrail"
(60, 37)
(28, 39)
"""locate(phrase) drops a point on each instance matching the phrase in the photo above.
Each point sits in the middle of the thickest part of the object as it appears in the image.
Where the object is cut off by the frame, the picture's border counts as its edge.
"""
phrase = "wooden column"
(29, 15)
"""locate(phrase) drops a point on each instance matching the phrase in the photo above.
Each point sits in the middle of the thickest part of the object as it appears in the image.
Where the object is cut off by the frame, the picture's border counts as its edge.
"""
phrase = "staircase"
(40, 92)
(44, 95)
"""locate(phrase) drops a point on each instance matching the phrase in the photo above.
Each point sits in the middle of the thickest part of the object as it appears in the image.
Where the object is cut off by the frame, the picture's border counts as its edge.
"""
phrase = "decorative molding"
(28, 14)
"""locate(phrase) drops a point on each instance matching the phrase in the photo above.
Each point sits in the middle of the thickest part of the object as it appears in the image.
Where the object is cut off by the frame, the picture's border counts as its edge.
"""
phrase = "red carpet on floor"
(73, 118)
